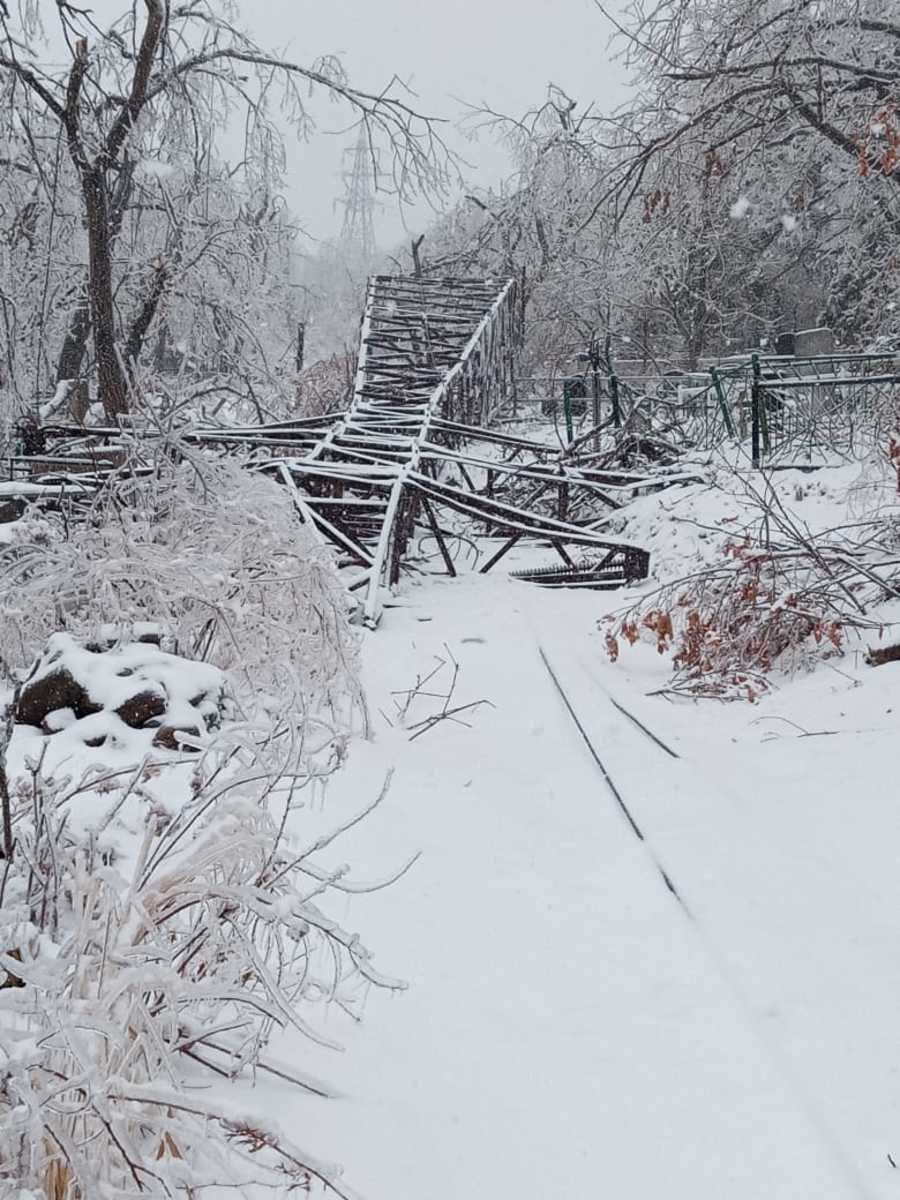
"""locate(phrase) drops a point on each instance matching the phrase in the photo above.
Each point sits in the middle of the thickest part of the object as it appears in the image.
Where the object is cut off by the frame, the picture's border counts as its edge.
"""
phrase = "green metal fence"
(781, 407)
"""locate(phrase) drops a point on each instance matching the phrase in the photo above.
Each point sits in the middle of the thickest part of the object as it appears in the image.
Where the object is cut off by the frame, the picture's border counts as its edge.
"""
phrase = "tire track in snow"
(609, 781)
(842, 1161)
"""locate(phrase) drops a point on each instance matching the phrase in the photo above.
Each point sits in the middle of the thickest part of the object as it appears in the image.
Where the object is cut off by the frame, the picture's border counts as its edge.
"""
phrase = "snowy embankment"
(572, 1028)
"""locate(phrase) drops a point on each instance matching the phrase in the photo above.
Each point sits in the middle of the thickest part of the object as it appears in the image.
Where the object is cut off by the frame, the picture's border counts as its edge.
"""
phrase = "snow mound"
(689, 528)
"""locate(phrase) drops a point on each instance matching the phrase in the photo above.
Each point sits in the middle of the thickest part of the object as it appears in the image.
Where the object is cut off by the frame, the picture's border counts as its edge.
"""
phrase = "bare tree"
(751, 77)
(192, 61)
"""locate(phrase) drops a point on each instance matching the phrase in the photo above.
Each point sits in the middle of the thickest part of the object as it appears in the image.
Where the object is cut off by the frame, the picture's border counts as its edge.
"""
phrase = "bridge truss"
(435, 367)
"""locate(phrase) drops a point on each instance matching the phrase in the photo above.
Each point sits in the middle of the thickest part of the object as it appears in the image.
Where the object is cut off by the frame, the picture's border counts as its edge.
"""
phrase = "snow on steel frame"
(417, 377)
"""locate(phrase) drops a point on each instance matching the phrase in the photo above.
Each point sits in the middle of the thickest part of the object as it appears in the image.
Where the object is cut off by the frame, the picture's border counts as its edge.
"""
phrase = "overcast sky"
(499, 53)
(502, 53)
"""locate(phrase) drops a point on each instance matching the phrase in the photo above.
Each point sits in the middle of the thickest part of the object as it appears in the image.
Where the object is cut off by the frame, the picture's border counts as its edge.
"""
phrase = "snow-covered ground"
(684, 984)
(571, 1029)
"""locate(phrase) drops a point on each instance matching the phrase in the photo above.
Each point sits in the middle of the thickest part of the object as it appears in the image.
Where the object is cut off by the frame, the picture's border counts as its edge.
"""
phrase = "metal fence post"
(723, 405)
(755, 402)
(614, 397)
(596, 409)
(567, 409)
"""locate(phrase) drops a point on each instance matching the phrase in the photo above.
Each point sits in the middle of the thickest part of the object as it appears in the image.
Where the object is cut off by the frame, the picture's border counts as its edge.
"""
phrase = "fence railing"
(779, 406)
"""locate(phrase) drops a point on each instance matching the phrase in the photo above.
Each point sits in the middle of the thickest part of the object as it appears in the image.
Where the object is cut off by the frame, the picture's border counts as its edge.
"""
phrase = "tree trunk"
(110, 376)
(135, 342)
(74, 346)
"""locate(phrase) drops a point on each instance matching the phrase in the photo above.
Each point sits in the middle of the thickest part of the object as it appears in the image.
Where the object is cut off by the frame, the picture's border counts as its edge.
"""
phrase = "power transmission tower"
(359, 197)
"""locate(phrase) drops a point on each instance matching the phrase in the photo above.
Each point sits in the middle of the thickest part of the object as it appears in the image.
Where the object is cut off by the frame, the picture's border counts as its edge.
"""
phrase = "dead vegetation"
(778, 599)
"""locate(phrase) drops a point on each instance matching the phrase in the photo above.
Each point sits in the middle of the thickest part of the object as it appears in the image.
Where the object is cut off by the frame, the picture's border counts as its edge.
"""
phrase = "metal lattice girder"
(435, 366)
(428, 347)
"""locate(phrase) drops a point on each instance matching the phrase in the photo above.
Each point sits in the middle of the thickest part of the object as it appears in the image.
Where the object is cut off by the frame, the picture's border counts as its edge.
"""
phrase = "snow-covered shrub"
(779, 596)
(327, 385)
(161, 914)
(729, 626)
(136, 970)
(213, 555)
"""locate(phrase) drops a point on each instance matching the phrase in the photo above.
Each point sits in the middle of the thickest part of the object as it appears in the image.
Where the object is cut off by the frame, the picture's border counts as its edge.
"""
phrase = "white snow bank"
(688, 528)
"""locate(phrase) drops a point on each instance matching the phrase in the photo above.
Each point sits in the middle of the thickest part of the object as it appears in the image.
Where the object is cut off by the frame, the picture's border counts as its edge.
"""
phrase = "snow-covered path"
(569, 1031)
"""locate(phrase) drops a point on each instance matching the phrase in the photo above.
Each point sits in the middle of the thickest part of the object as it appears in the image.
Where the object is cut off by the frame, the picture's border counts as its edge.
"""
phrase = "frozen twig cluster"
(780, 599)
(437, 686)
(135, 975)
(161, 920)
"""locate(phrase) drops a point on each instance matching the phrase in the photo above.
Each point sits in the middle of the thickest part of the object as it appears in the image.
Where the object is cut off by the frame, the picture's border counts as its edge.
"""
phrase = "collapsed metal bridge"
(435, 366)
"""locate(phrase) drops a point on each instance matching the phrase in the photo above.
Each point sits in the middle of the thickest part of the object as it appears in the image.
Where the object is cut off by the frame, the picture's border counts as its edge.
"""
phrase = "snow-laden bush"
(135, 972)
(215, 556)
(729, 627)
(161, 914)
(777, 598)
